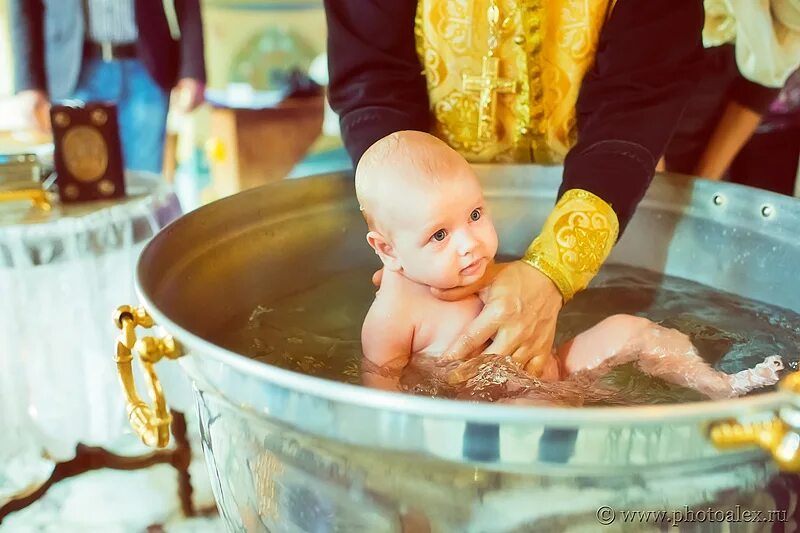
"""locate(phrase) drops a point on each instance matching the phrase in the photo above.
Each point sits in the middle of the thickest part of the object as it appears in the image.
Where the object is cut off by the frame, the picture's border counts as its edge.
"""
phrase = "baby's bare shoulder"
(389, 309)
(388, 330)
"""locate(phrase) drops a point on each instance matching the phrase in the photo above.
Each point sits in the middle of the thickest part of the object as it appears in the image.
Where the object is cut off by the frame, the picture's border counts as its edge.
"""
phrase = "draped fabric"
(61, 276)
(766, 34)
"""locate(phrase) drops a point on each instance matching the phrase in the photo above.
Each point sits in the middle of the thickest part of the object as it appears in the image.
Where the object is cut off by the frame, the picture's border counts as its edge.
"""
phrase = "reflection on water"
(317, 332)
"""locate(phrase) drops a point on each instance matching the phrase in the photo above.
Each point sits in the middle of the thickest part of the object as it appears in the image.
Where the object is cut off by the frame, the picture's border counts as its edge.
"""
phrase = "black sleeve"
(752, 95)
(648, 61)
(192, 53)
(27, 34)
(376, 81)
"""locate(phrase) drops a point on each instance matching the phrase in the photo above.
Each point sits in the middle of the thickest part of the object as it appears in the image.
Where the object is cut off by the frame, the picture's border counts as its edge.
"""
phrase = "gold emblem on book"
(85, 153)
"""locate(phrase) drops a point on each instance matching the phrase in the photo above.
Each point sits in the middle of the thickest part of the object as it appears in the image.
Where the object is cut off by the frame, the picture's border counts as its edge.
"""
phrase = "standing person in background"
(130, 52)
(753, 49)
(771, 157)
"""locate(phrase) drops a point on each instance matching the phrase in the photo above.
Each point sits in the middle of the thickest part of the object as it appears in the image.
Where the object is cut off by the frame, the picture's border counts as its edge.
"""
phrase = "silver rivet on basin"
(718, 199)
(767, 211)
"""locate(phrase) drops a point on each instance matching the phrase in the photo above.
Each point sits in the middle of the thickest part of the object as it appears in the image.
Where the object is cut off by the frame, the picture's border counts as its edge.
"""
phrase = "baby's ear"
(384, 249)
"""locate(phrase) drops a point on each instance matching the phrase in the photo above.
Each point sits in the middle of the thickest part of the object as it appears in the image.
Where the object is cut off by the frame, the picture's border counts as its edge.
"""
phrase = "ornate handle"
(777, 436)
(150, 423)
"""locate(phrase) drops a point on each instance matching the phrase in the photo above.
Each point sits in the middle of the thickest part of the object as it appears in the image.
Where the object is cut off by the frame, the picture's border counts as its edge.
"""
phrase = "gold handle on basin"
(778, 437)
(151, 423)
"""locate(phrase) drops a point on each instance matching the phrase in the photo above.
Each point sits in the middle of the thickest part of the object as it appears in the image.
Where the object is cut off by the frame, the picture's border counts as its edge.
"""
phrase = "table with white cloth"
(62, 273)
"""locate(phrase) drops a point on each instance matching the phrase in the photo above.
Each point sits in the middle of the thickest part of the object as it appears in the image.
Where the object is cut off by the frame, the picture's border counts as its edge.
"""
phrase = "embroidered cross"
(489, 83)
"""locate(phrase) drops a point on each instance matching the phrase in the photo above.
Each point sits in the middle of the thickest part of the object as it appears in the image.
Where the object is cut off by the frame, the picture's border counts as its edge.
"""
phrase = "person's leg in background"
(143, 118)
(141, 107)
(99, 82)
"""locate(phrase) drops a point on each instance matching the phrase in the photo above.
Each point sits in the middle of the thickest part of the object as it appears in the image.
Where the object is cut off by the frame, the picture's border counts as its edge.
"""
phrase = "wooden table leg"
(88, 458)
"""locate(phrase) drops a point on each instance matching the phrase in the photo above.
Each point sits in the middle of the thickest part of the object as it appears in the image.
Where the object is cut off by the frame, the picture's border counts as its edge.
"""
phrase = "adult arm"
(376, 82)
(747, 102)
(648, 61)
(190, 21)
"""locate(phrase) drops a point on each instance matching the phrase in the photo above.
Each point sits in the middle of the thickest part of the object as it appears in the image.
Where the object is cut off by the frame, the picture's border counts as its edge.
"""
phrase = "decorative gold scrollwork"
(151, 423)
(781, 438)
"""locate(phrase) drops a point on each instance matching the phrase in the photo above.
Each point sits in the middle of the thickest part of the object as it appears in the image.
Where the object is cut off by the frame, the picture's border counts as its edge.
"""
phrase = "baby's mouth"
(472, 268)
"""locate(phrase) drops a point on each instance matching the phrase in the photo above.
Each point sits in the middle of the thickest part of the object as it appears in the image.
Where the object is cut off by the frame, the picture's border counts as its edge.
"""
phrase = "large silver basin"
(289, 452)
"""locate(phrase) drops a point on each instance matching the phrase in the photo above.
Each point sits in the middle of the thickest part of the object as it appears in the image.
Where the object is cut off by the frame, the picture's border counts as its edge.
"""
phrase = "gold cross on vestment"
(488, 84)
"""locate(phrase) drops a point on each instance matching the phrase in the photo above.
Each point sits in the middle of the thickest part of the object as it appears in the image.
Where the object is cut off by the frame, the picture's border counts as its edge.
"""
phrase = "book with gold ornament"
(88, 155)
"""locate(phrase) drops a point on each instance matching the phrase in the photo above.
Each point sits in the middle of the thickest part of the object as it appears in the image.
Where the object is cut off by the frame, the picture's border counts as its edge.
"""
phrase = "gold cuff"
(575, 241)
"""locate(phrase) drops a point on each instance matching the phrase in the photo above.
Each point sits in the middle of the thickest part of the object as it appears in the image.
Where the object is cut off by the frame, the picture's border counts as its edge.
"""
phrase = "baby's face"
(443, 236)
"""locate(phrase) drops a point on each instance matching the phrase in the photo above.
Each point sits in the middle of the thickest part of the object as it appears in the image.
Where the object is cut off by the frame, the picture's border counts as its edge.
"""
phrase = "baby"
(430, 226)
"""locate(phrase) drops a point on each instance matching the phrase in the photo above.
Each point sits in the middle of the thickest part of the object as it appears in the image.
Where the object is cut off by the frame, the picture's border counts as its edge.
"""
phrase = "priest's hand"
(521, 306)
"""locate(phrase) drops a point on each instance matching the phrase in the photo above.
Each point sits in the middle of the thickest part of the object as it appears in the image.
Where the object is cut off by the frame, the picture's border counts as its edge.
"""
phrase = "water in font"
(317, 332)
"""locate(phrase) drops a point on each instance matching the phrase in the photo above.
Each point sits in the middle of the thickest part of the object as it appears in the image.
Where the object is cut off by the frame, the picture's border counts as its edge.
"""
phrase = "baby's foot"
(769, 368)
(763, 374)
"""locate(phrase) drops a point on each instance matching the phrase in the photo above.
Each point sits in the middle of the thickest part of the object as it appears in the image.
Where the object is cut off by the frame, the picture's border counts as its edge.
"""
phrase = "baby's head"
(425, 210)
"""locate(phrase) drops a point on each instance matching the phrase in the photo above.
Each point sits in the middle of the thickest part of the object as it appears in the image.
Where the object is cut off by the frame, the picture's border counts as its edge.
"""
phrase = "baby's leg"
(611, 338)
(660, 352)
(670, 355)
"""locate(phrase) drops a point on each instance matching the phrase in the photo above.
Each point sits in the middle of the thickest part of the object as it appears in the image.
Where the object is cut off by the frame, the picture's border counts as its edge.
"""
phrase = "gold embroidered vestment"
(503, 75)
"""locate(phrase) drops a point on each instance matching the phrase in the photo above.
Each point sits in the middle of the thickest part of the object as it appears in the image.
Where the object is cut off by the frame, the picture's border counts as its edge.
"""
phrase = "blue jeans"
(141, 105)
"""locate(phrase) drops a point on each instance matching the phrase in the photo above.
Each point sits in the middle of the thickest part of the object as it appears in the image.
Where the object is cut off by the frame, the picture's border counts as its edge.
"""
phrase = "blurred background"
(264, 115)
(261, 117)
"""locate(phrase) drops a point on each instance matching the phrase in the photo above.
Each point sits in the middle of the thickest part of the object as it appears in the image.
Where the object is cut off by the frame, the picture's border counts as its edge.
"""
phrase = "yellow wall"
(229, 24)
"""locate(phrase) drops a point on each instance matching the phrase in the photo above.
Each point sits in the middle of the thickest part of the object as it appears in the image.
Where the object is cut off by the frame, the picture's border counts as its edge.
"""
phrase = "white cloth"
(766, 35)
(60, 280)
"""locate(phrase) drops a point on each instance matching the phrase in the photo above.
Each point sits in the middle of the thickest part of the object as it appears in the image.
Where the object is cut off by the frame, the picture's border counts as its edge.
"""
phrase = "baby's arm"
(386, 342)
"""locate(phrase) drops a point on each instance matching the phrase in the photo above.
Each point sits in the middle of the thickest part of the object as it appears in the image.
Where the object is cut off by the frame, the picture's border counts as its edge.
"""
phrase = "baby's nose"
(467, 243)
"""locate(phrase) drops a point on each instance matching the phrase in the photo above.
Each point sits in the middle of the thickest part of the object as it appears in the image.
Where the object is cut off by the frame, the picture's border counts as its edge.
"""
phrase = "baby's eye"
(475, 215)
(439, 235)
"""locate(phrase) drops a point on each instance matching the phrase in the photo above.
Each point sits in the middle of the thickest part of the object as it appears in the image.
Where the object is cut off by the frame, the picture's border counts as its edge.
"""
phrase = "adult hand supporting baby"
(521, 306)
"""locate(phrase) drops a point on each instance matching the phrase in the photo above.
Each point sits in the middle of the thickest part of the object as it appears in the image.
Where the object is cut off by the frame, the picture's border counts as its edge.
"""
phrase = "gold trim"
(531, 105)
(549, 269)
(776, 436)
(575, 241)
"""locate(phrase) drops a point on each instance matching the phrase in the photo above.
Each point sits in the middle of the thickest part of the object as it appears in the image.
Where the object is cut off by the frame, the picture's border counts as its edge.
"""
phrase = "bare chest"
(439, 323)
